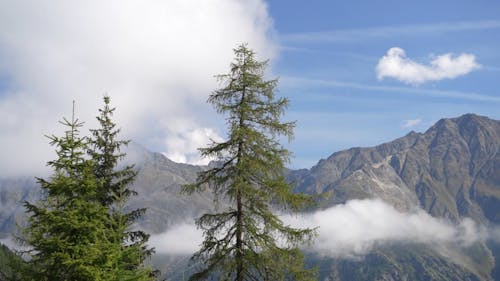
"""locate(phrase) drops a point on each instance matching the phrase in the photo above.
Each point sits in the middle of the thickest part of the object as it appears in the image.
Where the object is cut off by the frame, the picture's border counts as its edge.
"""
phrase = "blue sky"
(357, 73)
(329, 51)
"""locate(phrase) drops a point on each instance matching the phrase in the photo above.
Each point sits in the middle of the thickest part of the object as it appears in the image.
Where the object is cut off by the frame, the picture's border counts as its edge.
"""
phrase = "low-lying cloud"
(395, 64)
(355, 228)
(182, 239)
(352, 229)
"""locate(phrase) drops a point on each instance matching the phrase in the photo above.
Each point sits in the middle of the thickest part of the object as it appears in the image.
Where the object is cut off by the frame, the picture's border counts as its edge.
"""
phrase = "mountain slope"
(394, 263)
(158, 185)
(452, 170)
(13, 192)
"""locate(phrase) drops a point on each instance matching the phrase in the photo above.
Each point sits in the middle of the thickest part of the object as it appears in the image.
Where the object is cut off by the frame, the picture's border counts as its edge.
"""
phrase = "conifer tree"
(67, 228)
(247, 241)
(12, 265)
(114, 192)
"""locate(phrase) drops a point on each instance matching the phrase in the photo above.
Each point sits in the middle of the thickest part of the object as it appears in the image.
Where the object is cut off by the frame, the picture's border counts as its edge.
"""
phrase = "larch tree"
(247, 241)
(67, 231)
(114, 193)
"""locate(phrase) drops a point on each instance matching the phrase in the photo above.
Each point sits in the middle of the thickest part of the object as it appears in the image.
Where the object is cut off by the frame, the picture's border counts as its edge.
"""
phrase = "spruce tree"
(114, 193)
(67, 229)
(12, 265)
(247, 241)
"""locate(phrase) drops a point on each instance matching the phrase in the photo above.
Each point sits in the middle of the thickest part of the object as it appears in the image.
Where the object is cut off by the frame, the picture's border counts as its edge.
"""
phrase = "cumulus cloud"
(352, 229)
(156, 59)
(411, 122)
(182, 145)
(395, 64)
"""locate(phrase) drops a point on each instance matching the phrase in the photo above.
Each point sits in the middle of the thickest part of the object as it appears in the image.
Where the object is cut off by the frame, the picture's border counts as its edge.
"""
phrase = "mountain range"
(451, 171)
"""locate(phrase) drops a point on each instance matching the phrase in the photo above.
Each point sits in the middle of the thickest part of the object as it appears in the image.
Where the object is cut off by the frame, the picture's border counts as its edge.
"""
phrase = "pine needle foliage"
(79, 230)
(12, 265)
(105, 150)
(114, 193)
(247, 241)
(67, 228)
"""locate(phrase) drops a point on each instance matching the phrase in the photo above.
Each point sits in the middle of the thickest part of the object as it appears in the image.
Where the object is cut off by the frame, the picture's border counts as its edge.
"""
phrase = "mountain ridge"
(452, 171)
(418, 160)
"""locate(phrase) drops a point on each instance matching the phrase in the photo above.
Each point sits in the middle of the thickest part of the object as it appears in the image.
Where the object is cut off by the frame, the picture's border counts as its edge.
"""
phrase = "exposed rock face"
(158, 184)
(452, 170)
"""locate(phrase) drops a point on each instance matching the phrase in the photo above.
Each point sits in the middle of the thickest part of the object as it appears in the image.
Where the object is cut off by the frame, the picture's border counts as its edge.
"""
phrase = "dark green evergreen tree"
(12, 265)
(114, 193)
(247, 241)
(68, 228)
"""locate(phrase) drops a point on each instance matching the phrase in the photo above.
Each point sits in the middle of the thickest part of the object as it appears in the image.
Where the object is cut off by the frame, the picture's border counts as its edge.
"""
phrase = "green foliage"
(247, 241)
(79, 229)
(5, 256)
(11, 265)
(105, 151)
(67, 229)
(114, 193)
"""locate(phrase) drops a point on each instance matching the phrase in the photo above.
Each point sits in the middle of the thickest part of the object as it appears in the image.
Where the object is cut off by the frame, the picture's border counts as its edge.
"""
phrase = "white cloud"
(396, 65)
(182, 239)
(363, 34)
(352, 230)
(156, 59)
(411, 122)
(290, 81)
(183, 145)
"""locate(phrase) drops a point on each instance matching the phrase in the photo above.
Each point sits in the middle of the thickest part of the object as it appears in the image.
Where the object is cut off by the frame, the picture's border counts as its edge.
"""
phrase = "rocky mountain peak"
(451, 170)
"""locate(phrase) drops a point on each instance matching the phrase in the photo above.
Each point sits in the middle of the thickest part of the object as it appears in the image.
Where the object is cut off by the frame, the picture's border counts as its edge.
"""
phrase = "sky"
(357, 73)
(360, 73)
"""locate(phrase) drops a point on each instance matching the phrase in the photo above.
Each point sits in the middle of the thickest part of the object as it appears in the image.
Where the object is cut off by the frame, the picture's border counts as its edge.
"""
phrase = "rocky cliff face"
(452, 170)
